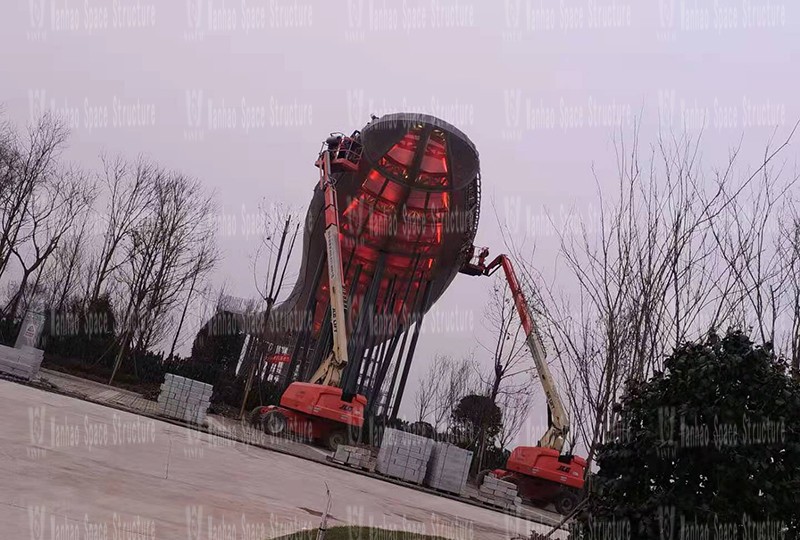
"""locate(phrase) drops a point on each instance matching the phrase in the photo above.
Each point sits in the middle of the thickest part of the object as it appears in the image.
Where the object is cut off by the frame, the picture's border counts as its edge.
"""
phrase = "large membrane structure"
(409, 203)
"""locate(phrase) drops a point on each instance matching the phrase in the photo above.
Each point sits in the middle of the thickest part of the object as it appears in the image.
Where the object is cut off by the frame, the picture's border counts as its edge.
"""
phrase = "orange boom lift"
(319, 409)
(541, 473)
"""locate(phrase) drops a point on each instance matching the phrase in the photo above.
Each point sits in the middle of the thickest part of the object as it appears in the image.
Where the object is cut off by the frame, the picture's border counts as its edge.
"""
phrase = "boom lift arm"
(330, 370)
(558, 429)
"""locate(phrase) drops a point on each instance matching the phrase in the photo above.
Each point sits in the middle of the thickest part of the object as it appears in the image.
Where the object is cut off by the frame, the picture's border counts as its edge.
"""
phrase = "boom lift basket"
(345, 152)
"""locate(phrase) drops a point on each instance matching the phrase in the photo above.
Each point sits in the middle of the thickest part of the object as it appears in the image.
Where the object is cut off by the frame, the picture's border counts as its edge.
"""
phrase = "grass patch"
(359, 533)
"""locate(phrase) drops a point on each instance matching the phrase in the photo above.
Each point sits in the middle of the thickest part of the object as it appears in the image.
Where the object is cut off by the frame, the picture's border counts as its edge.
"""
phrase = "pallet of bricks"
(355, 456)
(448, 468)
(499, 493)
(184, 399)
(21, 362)
(404, 456)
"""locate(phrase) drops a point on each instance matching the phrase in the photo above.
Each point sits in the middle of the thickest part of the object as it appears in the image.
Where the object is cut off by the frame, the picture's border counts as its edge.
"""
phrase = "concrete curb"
(418, 487)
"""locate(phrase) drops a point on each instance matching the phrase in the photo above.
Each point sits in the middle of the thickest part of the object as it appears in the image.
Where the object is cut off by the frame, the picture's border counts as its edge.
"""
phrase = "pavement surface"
(76, 469)
(245, 433)
(217, 424)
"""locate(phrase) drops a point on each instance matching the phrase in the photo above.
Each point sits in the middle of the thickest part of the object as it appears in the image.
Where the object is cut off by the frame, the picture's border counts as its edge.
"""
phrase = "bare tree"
(509, 353)
(791, 264)
(130, 191)
(64, 271)
(25, 168)
(759, 254)
(204, 261)
(515, 406)
(63, 199)
(168, 249)
(428, 387)
(279, 230)
(459, 378)
(644, 274)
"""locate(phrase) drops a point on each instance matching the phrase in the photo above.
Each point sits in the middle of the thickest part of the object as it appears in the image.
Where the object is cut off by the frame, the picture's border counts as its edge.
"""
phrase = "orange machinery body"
(314, 410)
(540, 473)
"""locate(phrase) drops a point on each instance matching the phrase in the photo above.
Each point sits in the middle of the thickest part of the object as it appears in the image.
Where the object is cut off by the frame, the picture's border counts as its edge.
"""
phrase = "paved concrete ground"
(232, 429)
(74, 469)
(220, 425)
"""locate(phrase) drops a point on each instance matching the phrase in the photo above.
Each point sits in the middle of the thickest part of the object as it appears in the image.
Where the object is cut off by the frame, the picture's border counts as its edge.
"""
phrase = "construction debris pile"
(499, 493)
(184, 399)
(448, 468)
(404, 456)
(23, 362)
(355, 456)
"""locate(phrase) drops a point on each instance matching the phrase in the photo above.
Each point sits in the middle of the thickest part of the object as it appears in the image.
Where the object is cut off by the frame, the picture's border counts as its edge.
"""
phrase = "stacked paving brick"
(448, 468)
(499, 493)
(355, 456)
(23, 362)
(185, 399)
(404, 455)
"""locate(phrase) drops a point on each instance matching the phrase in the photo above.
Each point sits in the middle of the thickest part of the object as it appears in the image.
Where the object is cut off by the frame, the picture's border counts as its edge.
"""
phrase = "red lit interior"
(398, 215)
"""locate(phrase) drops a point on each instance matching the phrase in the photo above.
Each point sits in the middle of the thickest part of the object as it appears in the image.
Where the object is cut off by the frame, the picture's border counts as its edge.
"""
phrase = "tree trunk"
(183, 317)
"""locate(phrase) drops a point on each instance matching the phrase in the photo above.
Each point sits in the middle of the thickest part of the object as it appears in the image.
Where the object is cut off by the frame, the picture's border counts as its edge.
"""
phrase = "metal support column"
(384, 368)
(419, 318)
(356, 349)
(304, 331)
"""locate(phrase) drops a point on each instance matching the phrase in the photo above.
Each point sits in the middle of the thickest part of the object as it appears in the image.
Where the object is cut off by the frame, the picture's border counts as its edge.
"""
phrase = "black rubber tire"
(273, 423)
(254, 417)
(565, 502)
(335, 438)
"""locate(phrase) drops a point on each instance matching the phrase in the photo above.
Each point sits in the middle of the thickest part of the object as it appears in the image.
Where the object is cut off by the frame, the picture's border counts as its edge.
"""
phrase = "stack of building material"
(23, 362)
(184, 399)
(404, 455)
(355, 456)
(499, 493)
(448, 468)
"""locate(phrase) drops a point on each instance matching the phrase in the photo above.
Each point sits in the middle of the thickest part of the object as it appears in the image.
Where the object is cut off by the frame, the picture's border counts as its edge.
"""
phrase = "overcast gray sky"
(241, 93)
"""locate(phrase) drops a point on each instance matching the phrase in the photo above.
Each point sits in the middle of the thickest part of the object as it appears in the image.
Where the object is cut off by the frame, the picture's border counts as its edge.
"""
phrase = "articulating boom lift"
(542, 473)
(319, 409)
